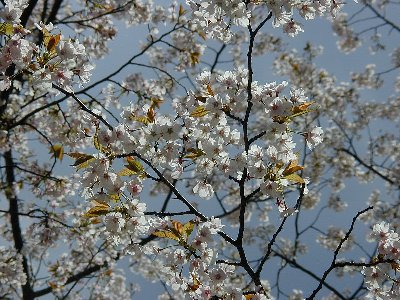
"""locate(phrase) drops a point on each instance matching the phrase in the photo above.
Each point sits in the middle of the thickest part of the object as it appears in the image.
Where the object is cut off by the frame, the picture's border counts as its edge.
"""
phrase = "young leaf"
(295, 178)
(142, 119)
(156, 102)
(302, 107)
(194, 58)
(98, 202)
(97, 211)
(301, 113)
(96, 142)
(188, 228)
(151, 115)
(134, 165)
(82, 159)
(395, 266)
(194, 153)
(292, 167)
(196, 284)
(181, 10)
(50, 41)
(201, 99)
(57, 151)
(166, 235)
(281, 119)
(115, 197)
(126, 172)
(199, 112)
(75, 154)
(178, 226)
(202, 35)
(53, 285)
(209, 90)
(95, 221)
(249, 296)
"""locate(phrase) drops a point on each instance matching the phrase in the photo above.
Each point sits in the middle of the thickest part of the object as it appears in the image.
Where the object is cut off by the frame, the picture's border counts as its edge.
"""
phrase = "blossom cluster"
(12, 275)
(123, 221)
(214, 18)
(206, 136)
(380, 279)
(203, 134)
(57, 60)
(348, 40)
(210, 114)
(194, 270)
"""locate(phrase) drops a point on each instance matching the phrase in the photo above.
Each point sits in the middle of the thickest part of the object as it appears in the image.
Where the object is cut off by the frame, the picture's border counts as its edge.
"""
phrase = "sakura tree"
(186, 166)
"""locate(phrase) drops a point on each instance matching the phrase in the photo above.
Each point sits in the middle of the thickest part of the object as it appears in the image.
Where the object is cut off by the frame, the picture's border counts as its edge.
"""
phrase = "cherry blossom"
(188, 163)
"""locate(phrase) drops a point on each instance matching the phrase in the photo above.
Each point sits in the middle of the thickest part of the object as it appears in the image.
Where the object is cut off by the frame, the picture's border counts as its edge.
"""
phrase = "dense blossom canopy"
(183, 165)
